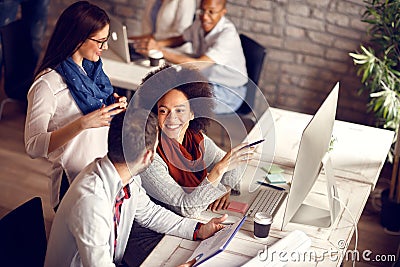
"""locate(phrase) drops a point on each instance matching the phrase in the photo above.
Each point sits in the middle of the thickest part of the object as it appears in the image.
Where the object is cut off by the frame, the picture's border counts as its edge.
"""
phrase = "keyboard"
(268, 200)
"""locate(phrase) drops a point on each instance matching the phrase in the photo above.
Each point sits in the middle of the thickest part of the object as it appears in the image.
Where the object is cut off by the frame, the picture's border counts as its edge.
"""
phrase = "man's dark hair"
(131, 134)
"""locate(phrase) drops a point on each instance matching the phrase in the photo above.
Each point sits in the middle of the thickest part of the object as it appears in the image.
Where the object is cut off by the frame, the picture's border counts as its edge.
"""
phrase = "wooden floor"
(21, 178)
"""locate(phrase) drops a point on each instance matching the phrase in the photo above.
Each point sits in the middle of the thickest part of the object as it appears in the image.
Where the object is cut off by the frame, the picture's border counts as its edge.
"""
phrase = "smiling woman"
(174, 114)
(71, 101)
(190, 172)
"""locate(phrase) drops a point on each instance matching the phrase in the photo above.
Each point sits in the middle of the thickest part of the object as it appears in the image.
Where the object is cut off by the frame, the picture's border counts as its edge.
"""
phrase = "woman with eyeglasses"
(71, 102)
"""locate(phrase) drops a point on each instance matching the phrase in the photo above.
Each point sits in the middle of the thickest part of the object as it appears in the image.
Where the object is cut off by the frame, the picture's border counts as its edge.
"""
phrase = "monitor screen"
(314, 145)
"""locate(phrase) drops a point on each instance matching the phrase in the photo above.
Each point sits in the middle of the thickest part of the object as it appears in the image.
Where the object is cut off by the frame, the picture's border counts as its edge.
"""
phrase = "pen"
(253, 144)
(270, 185)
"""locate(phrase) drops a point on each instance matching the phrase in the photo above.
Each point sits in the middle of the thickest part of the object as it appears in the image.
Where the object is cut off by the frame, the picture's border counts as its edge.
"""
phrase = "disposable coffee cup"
(155, 56)
(262, 225)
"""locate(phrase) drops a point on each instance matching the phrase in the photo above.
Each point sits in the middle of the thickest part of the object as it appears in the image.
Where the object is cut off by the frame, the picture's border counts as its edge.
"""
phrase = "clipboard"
(215, 244)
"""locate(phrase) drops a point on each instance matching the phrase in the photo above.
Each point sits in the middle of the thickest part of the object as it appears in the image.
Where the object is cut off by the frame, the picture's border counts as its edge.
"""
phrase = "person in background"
(71, 102)
(167, 18)
(33, 13)
(215, 40)
(92, 224)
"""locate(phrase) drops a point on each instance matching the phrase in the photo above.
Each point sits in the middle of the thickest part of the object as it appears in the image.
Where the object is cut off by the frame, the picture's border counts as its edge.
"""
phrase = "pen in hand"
(253, 144)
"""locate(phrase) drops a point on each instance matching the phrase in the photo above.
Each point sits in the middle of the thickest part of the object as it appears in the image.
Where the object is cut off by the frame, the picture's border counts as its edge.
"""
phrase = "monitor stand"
(315, 216)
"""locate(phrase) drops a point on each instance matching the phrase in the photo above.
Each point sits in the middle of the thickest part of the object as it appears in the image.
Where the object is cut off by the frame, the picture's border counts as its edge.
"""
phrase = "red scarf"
(185, 162)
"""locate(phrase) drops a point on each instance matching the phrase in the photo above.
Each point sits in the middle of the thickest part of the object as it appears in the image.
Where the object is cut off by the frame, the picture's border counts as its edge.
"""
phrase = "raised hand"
(236, 156)
(101, 117)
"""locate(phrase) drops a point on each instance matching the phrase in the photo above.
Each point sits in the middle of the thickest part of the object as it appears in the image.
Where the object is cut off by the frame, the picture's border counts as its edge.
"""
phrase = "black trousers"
(141, 243)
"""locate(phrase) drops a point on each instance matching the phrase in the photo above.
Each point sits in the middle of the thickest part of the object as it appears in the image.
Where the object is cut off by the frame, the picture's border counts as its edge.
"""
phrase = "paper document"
(283, 252)
(215, 244)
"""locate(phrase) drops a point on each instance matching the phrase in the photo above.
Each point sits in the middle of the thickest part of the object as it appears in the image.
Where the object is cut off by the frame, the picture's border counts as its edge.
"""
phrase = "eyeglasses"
(209, 12)
(100, 42)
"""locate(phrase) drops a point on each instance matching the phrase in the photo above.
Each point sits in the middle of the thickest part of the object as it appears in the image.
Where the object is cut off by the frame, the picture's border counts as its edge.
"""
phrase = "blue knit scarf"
(89, 91)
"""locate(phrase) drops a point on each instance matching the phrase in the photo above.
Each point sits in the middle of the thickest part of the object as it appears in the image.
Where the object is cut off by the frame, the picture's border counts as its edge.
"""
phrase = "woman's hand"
(222, 202)
(232, 159)
(121, 100)
(214, 225)
(100, 117)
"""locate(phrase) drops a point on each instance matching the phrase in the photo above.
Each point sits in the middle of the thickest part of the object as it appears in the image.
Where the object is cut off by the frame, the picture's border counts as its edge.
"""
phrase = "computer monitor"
(311, 158)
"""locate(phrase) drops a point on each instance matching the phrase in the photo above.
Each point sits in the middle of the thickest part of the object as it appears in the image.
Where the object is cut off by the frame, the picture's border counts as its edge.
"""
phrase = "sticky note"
(273, 169)
(275, 178)
(236, 206)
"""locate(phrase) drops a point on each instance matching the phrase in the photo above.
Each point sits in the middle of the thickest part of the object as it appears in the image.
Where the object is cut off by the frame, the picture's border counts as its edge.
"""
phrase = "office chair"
(19, 62)
(254, 54)
(23, 235)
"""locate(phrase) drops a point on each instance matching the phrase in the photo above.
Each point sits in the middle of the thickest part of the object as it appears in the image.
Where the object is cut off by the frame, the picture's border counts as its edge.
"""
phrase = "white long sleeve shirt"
(160, 185)
(50, 107)
(222, 44)
(82, 233)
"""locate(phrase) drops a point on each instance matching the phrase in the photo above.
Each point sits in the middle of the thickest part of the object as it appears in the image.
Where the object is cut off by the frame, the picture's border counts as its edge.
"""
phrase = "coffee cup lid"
(263, 218)
(153, 53)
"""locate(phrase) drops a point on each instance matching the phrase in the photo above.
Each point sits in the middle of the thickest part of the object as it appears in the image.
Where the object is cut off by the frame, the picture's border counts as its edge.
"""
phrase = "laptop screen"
(118, 41)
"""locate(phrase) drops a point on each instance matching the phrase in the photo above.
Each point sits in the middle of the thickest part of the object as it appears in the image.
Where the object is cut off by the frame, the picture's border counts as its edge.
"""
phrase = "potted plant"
(379, 67)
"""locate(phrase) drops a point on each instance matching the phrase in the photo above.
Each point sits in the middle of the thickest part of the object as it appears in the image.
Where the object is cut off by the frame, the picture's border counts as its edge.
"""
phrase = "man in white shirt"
(163, 19)
(167, 18)
(94, 219)
(215, 41)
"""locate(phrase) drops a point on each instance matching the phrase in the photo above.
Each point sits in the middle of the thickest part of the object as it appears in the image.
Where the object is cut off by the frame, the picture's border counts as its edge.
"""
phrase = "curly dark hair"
(185, 78)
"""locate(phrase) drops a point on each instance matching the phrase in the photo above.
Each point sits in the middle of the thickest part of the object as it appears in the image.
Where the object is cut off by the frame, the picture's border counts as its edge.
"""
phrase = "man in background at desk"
(92, 224)
(164, 19)
(215, 40)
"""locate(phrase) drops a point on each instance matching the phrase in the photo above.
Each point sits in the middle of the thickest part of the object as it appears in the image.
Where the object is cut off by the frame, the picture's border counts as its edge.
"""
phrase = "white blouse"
(50, 107)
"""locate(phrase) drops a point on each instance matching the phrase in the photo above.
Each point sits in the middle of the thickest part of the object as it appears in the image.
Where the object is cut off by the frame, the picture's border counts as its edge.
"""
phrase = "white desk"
(358, 157)
(122, 74)
(358, 154)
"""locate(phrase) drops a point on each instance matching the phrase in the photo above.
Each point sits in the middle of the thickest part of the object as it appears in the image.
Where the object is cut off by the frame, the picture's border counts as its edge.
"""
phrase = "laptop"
(119, 42)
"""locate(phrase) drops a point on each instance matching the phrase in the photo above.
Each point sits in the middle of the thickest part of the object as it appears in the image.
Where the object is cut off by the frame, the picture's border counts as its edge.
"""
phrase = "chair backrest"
(23, 235)
(255, 55)
(18, 58)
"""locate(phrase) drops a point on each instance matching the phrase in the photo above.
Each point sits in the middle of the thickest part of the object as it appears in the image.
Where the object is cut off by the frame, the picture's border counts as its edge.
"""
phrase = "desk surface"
(325, 251)
(358, 157)
(358, 154)
(122, 74)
